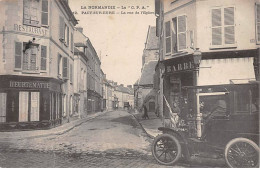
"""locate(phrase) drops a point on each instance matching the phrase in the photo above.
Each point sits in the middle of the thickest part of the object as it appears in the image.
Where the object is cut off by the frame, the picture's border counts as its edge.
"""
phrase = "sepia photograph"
(129, 83)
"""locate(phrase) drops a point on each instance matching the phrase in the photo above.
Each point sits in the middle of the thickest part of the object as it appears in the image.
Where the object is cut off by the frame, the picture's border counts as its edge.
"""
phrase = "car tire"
(170, 148)
(242, 152)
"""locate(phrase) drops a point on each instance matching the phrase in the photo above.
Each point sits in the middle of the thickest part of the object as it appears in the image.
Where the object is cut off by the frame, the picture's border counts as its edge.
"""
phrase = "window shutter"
(45, 12)
(65, 68)
(62, 28)
(258, 23)
(174, 36)
(71, 73)
(71, 42)
(43, 57)
(182, 32)
(18, 55)
(216, 27)
(229, 23)
(68, 35)
(168, 37)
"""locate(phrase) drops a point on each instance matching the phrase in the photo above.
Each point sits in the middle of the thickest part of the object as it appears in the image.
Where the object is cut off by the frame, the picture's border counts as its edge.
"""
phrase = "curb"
(149, 135)
(59, 132)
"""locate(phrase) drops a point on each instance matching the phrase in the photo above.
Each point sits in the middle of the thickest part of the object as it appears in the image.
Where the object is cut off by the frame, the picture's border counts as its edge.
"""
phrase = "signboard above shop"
(178, 64)
(40, 31)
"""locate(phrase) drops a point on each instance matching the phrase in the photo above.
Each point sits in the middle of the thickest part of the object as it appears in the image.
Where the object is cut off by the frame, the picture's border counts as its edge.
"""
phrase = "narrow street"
(114, 139)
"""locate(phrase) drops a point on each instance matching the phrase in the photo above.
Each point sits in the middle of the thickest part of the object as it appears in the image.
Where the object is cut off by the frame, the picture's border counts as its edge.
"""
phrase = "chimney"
(80, 29)
(129, 86)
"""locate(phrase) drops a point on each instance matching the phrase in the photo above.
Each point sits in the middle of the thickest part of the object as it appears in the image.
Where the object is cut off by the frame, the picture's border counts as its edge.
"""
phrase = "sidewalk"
(150, 125)
(53, 131)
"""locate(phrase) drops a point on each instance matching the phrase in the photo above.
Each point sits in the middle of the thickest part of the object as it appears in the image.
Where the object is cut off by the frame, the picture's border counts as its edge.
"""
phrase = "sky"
(119, 38)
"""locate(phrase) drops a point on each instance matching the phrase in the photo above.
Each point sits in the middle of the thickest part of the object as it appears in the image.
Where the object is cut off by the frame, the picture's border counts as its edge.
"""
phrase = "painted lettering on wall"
(179, 67)
(29, 29)
(19, 84)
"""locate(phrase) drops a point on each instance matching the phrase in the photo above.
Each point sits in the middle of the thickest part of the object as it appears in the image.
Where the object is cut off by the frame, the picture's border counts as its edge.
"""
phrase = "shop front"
(29, 102)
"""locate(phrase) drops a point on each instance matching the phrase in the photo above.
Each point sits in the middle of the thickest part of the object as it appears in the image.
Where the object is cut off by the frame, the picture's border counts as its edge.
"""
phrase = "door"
(23, 106)
(151, 107)
(35, 105)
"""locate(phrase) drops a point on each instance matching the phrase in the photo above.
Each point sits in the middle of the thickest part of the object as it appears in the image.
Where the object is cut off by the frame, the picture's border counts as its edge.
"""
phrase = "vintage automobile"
(223, 120)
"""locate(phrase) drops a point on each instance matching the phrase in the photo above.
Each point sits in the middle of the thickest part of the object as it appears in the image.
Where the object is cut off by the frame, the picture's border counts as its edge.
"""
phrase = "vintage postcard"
(129, 83)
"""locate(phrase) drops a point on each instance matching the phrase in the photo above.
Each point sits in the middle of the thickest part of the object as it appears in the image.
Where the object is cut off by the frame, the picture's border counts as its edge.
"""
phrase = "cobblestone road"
(114, 139)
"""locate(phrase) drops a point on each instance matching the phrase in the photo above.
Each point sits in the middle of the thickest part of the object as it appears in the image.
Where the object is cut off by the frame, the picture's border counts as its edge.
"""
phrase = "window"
(176, 34)
(64, 32)
(258, 23)
(182, 29)
(35, 12)
(71, 42)
(168, 37)
(65, 66)
(43, 57)
(223, 26)
(31, 12)
(26, 57)
(45, 12)
(2, 107)
(59, 66)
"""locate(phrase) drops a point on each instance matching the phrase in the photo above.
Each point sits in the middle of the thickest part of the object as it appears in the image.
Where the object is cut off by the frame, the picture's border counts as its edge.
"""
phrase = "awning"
(226, 71)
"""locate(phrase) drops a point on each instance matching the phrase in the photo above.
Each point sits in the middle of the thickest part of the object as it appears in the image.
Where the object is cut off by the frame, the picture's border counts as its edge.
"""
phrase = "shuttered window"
(174, 36)
(182, 29)
(229, 25)
(61, 34)
(258, 23)
(168, 37)
(65, 68)
(31, 12)
(223, 26)
(43, 57)
(45, 12)
(67, 36)
(18, 55)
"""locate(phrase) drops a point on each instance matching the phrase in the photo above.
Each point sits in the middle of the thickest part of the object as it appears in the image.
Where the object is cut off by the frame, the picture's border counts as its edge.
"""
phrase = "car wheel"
(166, 149)
(242, 152)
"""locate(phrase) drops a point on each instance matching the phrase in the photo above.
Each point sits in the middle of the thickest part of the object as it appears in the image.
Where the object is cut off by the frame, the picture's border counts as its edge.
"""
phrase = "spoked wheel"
(166, 149)
(242, 152)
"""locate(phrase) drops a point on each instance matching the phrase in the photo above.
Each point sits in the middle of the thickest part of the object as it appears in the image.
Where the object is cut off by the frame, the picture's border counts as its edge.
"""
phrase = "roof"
(125, 89)
(151, 39)
(147, 73)
(80, 45)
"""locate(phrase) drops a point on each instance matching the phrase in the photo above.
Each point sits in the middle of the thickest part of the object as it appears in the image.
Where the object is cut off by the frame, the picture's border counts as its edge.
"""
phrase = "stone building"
(36, 63)
(206, 42)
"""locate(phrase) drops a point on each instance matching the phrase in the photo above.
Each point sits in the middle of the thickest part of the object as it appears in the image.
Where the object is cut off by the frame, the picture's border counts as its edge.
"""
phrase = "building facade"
(80, 73)
(206, 43)
(36, 56)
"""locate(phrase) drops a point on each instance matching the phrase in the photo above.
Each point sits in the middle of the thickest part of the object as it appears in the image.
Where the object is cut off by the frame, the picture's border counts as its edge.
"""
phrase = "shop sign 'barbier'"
(32, 30)
(179, 67)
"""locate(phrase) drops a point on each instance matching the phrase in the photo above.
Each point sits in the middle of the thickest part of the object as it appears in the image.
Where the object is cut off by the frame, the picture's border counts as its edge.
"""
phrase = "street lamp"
(197, 60)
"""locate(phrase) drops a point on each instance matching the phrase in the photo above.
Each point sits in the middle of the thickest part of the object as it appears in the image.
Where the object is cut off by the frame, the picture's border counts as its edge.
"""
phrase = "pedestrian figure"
(145, 112)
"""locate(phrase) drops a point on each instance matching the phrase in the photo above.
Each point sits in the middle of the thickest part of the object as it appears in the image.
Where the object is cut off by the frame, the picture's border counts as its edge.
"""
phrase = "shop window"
(29, 104)
(3, 107)
(23, 106)
(258, 23)
(223, 26)
(35, 105)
